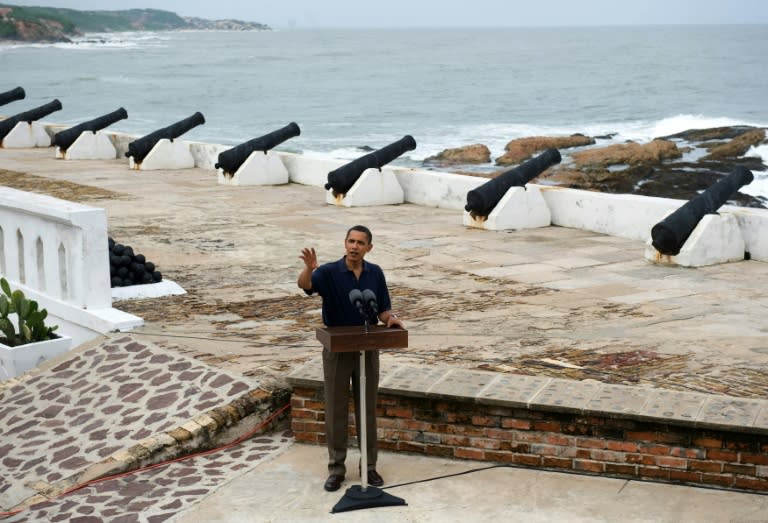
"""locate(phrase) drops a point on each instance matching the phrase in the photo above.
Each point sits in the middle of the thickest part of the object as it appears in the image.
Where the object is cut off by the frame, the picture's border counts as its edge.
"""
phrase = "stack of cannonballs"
(127, 268)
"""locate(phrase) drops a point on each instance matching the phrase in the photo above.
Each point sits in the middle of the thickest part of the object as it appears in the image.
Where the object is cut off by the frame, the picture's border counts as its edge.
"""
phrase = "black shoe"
(374, 479)
(333, 482)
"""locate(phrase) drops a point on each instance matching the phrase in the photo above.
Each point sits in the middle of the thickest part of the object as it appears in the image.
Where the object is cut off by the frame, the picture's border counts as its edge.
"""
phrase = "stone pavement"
(550, 302)
(158, 494)
(108, 408)
(288, 488)
(271, 479)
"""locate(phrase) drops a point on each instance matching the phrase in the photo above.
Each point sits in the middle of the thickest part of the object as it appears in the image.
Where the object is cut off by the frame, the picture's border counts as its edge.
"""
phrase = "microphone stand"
(363, 438)
(363, 496)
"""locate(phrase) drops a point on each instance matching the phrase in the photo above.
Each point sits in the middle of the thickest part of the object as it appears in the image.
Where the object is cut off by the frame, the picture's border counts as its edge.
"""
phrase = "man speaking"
(336, 282)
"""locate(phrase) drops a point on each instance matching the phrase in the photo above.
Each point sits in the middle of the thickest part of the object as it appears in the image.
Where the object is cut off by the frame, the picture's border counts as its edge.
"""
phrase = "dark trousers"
(338, 369)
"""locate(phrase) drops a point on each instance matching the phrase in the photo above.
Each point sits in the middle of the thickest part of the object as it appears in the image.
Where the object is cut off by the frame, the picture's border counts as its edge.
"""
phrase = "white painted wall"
(307, 170)
(55, 246)
(754, 229)
(56, 251)
(205, 154)
(437, 189)
(623, 215)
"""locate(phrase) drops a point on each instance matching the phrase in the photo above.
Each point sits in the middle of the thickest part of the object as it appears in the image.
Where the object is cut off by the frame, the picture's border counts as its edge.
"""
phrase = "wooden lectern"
(356, 338)
(363, 338)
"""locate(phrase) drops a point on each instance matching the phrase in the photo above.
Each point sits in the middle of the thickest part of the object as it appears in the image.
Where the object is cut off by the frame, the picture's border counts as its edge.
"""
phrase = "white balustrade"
(56, 251)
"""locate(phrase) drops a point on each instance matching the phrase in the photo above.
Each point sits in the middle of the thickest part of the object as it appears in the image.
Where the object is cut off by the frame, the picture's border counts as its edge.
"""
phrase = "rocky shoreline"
(676, 166)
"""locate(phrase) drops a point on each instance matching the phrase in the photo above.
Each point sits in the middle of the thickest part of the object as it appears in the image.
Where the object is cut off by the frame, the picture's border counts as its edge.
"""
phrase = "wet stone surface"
(157, 494)
(513, 390)
(100, 401)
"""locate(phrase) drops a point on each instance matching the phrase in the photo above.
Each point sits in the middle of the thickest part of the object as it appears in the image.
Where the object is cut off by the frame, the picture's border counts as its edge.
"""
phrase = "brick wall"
(590, 444)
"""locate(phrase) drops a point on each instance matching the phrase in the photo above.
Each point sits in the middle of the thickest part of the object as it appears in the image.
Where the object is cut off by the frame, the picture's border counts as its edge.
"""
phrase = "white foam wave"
(342, 153)
(759, 186)
(641, 131)
(97, 41)
(758, 151)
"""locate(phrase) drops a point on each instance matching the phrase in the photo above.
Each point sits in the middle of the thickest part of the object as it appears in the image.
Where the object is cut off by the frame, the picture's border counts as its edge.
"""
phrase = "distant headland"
(50, 24)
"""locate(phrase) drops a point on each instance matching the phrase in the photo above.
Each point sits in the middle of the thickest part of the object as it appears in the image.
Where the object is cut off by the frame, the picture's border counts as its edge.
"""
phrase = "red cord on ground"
(239, 440)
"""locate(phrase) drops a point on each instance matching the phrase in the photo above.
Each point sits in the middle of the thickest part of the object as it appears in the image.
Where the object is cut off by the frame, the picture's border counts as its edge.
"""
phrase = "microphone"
(356, 298)
(369, 298)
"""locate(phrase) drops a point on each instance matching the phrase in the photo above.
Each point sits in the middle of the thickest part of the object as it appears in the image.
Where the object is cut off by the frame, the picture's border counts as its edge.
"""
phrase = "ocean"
(350, 89)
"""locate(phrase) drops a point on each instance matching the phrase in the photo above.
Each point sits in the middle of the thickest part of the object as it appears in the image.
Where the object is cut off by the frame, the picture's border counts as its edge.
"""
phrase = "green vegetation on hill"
(7, 29)
(34, 14)
(128, 20)
(56, 24)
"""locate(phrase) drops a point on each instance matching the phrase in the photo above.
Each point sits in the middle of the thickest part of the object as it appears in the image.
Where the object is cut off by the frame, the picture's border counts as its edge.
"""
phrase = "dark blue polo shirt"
(333, 281)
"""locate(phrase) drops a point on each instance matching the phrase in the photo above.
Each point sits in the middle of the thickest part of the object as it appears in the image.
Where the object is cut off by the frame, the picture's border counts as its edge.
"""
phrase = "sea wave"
(759, 186)
(99, 41)
(759, 151)
(641, 131)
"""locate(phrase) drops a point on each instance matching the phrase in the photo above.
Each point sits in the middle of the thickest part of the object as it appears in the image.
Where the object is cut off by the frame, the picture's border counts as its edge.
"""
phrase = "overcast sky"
(284, 14)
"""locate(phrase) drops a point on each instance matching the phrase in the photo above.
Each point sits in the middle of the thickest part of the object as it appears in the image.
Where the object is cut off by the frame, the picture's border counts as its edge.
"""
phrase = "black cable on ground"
(574, 473)
(445, 476)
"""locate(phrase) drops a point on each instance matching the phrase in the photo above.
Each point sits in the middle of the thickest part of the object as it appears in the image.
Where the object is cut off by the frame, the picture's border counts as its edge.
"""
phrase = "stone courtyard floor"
(553, 301)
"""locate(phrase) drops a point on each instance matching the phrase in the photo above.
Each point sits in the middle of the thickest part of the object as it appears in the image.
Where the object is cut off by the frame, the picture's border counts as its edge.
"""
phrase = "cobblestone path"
(157, 494)
(95, 403)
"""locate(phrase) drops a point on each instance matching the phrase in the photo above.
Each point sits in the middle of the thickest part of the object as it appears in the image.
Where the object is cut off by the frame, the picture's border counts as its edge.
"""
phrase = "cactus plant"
(30, 323)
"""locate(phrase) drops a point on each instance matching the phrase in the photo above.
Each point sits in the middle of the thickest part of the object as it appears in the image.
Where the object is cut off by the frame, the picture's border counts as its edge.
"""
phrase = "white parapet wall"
(307, 170)
(437, 189)
(206, 154)
(754, 229)
(56, 251)
(55, 246)
(633, 216)
(623, 215)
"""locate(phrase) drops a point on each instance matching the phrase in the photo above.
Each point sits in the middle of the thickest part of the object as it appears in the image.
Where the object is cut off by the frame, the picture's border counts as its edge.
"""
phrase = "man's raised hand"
(309, 257)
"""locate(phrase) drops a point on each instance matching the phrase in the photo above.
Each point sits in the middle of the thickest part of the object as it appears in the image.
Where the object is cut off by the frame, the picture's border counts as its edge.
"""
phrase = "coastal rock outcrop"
(469, 154)
(709, 134)
(661, 168)
(677, 166)
(737, 146)
(629, 153)
(521, 149)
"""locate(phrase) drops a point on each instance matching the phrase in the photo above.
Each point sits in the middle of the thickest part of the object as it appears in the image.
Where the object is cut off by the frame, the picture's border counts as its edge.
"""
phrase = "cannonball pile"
(127, 268)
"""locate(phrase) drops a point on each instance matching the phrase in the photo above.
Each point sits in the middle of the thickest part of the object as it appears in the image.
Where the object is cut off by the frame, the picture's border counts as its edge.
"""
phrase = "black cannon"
(669, 235)
(12, 95)
(231, 159)
(28, 116)
(63, 139)
(342, 179)
(482, 200)
(140, 148)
